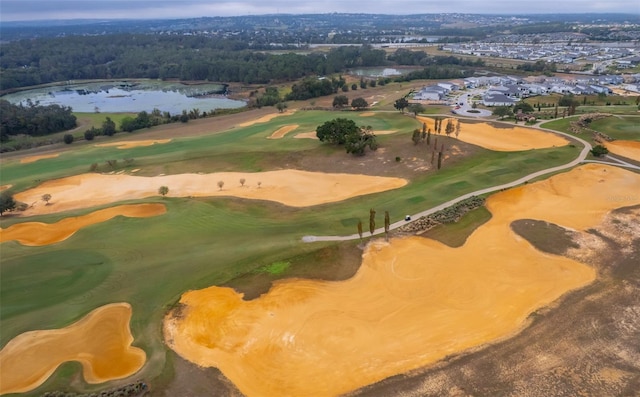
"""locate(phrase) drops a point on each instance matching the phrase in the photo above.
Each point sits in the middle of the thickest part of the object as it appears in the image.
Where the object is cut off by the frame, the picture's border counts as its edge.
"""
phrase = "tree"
(357, 142)
(340, 101)
(360, 229)
(109, 127)
(128, 124)
(281, 106)
(67, 138)
(46, 197)
(423, 135)
(458, 128)
(359, 103)
(336, 131)
(220, 184)
(372, 221)
(522, 106)
(242, 181)
(439, 159)
(354, 87)
(386, 224)
(599, 151)
(450, 128)
(163, 190)
(7, 203)
(502, 112)
(259, 184)
(429, 137)
(401, 104)
(415, 137)
(345, 88)
(416, 108)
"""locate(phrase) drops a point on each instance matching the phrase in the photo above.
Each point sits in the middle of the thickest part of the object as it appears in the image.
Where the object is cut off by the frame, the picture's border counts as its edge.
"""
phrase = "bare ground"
(586, 345)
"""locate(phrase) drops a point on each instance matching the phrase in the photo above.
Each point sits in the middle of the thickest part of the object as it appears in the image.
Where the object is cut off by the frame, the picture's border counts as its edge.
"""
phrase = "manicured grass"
(150, 262)
(455, 234)
(627, 128)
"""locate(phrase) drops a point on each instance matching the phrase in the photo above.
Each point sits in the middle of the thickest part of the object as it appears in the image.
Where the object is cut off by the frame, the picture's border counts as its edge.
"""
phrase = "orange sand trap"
(37, 233)
(290, 187)
(281, 132)
(132, 144)
(367, 114)
(265, 119)
(413, 302)
(101, 342)
(312, 134)
(32, 159)
(628, 149)
(502, 139)
(5, 187)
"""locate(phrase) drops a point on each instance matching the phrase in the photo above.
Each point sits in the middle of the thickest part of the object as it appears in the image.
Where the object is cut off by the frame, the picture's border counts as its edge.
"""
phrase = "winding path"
(580, 159)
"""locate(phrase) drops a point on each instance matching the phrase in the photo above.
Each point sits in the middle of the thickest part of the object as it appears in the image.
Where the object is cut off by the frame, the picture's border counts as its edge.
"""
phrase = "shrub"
(68, 139)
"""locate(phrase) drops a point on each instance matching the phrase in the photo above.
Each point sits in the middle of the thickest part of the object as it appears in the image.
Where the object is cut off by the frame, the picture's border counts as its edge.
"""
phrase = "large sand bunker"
(132, 144)
(265, 119)
(290, 187)
(502, 139)
(101, 342)
(628, 149)
(38, 233)
(282, 131)
(413, 302)
(32, 159)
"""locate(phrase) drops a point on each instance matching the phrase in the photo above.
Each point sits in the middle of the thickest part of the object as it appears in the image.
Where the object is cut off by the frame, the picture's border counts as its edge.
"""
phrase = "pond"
(119, 96)
(381, 72)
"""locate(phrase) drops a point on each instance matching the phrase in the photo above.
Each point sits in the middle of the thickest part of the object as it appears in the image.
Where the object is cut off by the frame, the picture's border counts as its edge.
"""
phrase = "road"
(581, 158)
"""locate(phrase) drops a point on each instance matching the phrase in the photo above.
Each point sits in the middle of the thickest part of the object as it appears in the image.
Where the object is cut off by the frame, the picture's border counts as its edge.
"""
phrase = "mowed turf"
(201, 242)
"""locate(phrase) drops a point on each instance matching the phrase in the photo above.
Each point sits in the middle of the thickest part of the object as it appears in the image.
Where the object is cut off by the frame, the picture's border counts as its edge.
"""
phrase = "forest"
(33, 119)
(27, 63)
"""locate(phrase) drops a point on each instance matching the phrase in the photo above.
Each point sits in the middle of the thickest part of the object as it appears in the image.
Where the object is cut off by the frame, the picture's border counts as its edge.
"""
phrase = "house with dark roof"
(496, 99)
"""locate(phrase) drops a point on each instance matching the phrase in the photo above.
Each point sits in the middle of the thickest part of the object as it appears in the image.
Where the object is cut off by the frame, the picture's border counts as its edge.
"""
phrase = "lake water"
(381, 72)
(117, 97)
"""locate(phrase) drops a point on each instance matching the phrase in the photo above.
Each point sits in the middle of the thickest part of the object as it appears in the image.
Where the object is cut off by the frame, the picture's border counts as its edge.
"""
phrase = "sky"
(26, 10)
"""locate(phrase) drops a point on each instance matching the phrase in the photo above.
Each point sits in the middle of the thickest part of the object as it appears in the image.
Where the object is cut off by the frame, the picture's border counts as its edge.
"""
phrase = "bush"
(89, 135)
(599, 151)
(68, 139)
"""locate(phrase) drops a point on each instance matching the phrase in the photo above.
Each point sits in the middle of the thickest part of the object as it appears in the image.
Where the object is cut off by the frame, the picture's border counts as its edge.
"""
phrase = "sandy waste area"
(501, 139)
(101, 342)
(132, 144)
(38, 233)
(413, 302)
(290, 187)
(628, 149)
(282, 131)
(32, 159)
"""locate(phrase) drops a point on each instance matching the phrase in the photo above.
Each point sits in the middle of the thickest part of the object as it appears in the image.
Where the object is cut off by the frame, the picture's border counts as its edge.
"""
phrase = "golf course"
(175, 255)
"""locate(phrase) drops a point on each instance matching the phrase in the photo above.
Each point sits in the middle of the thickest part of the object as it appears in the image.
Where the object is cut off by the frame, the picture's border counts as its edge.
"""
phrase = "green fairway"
(617, 127)
(199, 242)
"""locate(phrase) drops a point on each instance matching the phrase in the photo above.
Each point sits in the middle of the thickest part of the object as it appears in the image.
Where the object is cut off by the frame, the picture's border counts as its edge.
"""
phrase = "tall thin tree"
(360, 229)
(386, 224)
(372, 221)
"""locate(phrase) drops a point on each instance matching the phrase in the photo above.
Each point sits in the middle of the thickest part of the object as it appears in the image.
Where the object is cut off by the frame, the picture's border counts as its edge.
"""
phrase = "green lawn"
(150, 262)
(617, 127)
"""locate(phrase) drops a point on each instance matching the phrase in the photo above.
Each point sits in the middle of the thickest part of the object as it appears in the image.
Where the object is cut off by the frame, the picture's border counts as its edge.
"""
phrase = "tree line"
(45, 60)
(33, 119)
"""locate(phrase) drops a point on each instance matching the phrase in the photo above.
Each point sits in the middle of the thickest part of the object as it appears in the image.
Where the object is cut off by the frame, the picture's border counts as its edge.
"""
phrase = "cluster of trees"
(340, 101)
(135, 389)
(420, 58)
(33, 119)
(345, 132)
(539, 66)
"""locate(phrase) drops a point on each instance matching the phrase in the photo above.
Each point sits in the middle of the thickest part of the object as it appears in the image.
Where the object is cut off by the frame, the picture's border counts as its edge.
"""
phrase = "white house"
(430, 93)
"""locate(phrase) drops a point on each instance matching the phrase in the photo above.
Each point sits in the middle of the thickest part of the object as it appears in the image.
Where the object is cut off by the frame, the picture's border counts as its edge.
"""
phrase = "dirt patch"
(504, 139)
(281, 132)
(5, 187)
(32, 159)
(38, 233)
(265, 118)
(289, 187)
(132, 144)
(101, 342)
(628, 149)
(367, 114)
(400, 311)
(545, 236)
